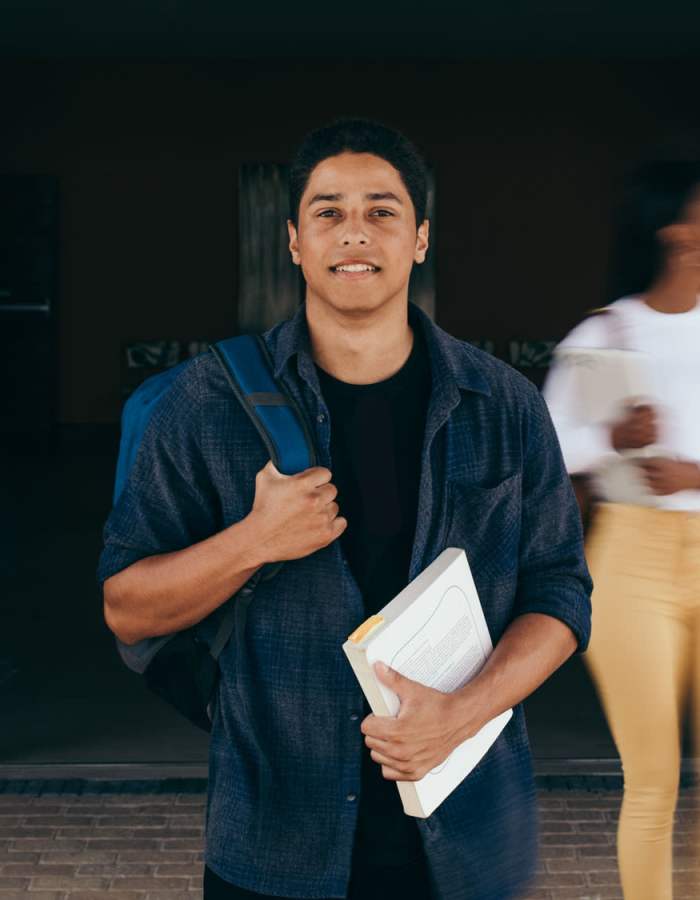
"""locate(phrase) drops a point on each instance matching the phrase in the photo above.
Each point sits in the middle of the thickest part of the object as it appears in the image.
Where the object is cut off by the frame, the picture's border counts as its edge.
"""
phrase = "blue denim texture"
(285, 749)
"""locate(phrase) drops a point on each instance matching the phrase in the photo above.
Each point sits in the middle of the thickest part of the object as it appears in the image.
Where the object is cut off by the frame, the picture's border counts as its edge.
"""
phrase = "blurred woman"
(644, 556)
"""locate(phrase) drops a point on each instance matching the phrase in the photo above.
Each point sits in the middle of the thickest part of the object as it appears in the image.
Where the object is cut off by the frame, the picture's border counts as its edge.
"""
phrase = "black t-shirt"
(376, 443)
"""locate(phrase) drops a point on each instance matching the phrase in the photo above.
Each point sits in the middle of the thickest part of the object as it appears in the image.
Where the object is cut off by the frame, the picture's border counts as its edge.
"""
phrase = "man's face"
(356, 239)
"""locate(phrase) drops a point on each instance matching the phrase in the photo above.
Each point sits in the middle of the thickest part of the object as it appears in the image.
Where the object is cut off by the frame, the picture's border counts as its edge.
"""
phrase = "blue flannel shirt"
(285, 749)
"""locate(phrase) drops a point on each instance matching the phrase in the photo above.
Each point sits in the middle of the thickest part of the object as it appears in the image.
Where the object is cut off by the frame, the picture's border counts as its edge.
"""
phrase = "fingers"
(414, 773)
(405, 768)
(654, 473)
(327, 492)
(383, 728)
(315, 476)
(637, 429)
(388, 749)
(649, 465)
(392, 774)
(339, 525)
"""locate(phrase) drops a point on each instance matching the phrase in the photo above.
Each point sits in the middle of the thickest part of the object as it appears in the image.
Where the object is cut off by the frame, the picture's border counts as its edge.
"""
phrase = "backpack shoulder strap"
(278, 419)
(281, 424)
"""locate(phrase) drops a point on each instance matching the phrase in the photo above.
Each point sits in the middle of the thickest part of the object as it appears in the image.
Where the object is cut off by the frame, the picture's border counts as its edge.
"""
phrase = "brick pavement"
(149, 846)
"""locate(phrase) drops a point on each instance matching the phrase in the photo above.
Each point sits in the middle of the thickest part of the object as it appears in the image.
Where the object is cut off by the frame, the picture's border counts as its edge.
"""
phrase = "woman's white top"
(671, 343)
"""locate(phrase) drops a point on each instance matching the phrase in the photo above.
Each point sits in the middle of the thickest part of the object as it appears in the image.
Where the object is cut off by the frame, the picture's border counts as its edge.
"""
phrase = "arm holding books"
(550, 620)
(431, 724)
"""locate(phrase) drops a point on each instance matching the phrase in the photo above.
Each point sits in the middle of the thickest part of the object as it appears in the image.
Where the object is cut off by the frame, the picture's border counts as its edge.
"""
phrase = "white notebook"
(606, 381)
(433, 632)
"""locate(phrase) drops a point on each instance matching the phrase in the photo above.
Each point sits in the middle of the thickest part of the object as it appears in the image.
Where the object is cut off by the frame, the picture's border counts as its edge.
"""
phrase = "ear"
(422, 241)
(293, 242)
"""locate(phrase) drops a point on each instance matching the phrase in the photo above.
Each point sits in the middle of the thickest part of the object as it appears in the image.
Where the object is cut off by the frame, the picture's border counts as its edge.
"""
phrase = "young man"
(424, 443)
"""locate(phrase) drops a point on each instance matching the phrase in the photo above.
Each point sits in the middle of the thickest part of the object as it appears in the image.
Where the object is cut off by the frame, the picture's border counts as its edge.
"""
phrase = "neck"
(359, 347)
(673, 293)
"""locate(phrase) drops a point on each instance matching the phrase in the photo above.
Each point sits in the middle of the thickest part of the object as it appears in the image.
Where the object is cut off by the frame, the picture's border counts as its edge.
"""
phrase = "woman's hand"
(668, 476)
(637, 429)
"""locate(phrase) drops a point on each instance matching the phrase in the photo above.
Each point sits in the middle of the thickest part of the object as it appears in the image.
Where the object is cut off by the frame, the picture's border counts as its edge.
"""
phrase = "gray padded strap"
(244, 595)
(267, 398)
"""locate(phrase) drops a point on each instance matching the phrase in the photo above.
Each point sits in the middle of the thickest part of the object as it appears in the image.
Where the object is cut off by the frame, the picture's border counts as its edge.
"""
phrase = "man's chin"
(353, 302)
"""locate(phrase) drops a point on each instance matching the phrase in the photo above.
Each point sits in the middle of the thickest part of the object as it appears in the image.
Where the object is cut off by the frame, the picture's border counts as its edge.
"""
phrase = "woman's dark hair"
(655, 196)
(358, 136)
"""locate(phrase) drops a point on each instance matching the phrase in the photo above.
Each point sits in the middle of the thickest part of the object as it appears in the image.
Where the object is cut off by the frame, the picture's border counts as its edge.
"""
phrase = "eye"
(327, 213)
(382, 212)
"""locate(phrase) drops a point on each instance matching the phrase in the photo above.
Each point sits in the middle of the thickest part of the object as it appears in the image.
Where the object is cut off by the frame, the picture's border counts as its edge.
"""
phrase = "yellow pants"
(644, 657)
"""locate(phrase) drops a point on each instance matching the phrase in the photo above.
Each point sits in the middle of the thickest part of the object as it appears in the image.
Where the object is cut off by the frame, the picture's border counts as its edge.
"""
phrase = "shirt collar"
(452, 362)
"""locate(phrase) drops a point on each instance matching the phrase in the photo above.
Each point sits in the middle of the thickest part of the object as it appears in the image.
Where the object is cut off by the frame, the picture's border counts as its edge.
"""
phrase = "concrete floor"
(71, 700)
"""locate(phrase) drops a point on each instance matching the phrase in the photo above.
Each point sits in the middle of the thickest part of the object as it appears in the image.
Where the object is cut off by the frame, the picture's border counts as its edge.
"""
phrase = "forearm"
(171, 591)
(530, 650)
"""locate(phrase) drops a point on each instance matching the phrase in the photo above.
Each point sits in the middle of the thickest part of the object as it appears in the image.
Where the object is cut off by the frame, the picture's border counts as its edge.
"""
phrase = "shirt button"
(320, 418)
(351, 798)
(354, 717)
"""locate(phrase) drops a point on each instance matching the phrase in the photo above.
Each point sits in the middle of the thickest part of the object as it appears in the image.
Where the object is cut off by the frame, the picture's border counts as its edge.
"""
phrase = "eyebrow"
(334, 198)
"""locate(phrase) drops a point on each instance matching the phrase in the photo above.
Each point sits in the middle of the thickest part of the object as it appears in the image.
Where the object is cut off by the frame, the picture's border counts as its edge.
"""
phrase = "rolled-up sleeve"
(553, 577)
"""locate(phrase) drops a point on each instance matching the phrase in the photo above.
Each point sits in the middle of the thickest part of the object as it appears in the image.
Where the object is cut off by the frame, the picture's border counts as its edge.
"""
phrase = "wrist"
(469, 712)
(247, 538)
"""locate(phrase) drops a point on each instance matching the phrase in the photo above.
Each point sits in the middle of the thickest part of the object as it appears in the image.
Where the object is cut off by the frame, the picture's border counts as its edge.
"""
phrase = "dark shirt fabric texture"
(376, 442)
(286, 750)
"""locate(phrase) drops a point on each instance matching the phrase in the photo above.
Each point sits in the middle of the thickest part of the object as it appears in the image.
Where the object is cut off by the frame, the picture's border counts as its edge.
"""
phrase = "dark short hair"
(655, 196)
(354, 135)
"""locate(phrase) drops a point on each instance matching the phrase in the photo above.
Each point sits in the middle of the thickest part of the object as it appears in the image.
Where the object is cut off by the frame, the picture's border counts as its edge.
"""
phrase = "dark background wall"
(527, 157)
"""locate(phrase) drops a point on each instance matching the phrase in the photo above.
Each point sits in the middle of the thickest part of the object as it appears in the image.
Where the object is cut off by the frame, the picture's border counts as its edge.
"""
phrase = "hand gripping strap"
(280, 423)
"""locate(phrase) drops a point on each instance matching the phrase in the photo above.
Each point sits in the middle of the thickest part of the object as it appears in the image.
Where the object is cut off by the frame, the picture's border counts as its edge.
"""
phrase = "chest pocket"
(485, 522)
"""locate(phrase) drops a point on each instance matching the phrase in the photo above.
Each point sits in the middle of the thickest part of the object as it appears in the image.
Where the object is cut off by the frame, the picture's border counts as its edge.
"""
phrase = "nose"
(354, 232)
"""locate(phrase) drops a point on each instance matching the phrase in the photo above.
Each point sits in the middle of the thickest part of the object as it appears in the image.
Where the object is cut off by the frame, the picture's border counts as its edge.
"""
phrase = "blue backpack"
(183, 668)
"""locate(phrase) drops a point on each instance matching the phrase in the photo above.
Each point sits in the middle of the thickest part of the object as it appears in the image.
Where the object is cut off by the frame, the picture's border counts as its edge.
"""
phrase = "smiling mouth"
(355, 269)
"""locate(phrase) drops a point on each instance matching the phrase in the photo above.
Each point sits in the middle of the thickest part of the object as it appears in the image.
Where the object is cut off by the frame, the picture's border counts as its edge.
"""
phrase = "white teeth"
(355, 268)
